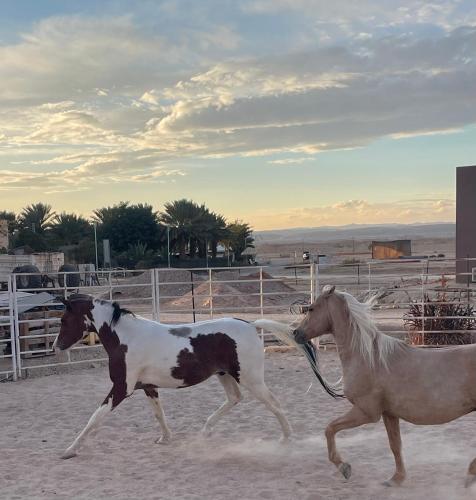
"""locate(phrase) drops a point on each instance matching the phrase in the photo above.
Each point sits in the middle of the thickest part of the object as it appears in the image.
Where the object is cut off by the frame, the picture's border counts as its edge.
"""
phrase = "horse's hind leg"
(112, 400)
(353, 418)
(471, 476)
(263, 394)
(392, 424)
(233, 397)
(153, 396)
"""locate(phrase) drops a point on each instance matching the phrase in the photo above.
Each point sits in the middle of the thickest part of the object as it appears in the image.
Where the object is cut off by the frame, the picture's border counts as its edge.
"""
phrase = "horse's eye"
(311, 309)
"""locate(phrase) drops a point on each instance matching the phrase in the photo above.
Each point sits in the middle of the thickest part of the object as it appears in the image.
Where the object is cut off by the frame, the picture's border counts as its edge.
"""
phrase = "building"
(465, 223)
(391, 249)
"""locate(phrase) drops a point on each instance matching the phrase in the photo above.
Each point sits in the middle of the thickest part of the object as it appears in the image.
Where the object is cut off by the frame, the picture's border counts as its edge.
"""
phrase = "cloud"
(149, 98)
(112, 99)
(290, 161)
(329, 98)
(370, 13)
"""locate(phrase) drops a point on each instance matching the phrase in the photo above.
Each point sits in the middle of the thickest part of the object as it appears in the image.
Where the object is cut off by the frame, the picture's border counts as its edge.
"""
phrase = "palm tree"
(36, 217)
(11, 218)
(183, 218)
(70, 229)
(239, 237)
(125, 224)
(214, 231)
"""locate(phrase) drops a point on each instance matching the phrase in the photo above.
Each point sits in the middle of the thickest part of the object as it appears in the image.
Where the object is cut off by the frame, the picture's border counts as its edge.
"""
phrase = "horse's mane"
(374, 346)
(118, 312)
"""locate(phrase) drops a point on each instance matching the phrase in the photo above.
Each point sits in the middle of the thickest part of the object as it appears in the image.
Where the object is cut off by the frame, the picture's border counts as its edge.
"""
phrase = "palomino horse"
(146, 355)
(384, 377)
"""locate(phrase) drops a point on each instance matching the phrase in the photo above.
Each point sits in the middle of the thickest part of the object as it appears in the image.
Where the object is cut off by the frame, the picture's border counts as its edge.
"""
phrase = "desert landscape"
(242, 459)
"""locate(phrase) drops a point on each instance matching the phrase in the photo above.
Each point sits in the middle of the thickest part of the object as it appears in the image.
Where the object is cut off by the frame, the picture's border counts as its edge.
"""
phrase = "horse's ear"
(328, 289)
(64, 301)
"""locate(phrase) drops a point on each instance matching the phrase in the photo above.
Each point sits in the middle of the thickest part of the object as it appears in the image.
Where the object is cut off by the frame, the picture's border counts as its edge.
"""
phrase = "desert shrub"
(440, 321)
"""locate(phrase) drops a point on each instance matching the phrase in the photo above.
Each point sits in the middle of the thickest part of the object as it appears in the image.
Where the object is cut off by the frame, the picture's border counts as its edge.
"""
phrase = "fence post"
(11, 315)
(16, 326)
(311, 277)
(370, 277)
(210, 291)
(261, 332)
(157, 293)
(152, 293)
(261, 302)
(422, 311)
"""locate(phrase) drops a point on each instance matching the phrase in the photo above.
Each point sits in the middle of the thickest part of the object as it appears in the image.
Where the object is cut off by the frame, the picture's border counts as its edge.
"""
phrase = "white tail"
(281, 331)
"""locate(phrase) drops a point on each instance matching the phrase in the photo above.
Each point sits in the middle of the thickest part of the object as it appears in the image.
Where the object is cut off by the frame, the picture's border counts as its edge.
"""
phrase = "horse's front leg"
(353, 418)
(153, 396)
(392, 424)
(114, 397)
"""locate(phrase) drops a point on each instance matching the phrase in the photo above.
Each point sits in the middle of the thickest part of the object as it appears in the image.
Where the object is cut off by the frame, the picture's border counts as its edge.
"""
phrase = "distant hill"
(357, 231)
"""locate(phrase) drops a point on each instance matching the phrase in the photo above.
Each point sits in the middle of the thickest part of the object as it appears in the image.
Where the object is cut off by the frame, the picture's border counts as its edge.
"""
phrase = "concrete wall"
(3, 234)
(391, 249)
(465, 221)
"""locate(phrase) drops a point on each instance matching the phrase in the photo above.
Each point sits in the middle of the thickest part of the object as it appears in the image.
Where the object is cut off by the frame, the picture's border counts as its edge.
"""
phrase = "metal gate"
(8, 341)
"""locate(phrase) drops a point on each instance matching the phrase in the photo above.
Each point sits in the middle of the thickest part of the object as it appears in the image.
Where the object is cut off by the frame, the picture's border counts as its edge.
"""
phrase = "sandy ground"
(242, 460)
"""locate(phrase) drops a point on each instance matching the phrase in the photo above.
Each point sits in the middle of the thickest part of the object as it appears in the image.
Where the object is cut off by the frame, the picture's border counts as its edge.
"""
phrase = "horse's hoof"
(206, 432)
(68, 454)
(391, 483)
(470, 480)
(163, 440)
(345, 469)
(284, 440)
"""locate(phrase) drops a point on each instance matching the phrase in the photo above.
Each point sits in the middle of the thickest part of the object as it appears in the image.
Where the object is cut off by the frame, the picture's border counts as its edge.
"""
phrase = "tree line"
(139, 236)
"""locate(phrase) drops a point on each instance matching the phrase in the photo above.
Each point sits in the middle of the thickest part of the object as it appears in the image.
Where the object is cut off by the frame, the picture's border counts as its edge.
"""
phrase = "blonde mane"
(373, 345)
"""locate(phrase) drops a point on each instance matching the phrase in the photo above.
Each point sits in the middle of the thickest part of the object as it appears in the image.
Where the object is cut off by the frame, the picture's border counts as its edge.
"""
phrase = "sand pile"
(225, 297)
(232, 291)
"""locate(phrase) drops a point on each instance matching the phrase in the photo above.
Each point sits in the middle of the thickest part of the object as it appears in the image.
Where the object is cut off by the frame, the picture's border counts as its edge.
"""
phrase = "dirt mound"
(224, 296)
(231, 290)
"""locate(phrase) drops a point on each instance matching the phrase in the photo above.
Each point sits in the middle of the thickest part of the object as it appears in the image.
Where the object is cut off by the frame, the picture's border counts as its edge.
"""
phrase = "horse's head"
(317, 321)
(77, 319)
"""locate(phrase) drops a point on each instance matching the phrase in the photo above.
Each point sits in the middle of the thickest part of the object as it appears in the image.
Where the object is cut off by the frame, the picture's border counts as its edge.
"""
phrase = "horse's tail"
(284, 332)
(281, 331)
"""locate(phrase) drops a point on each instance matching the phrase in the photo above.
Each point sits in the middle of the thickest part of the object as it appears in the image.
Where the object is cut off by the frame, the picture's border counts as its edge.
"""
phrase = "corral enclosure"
(188, 295)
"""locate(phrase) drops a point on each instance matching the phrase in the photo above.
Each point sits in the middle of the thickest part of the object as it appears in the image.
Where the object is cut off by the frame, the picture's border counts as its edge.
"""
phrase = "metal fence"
(28, 325)
(402, 287)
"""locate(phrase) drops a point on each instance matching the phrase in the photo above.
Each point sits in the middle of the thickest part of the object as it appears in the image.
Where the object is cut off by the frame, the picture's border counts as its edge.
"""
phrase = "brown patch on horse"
(117, 363)
(149, 389)
(212, 353)
(181, 331)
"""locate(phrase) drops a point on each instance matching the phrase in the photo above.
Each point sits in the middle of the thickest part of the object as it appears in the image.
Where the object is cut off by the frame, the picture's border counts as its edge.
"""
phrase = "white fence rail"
(28, 327)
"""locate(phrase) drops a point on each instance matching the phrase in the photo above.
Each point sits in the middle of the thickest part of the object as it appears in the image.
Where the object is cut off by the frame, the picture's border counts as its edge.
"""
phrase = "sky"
(281, 113)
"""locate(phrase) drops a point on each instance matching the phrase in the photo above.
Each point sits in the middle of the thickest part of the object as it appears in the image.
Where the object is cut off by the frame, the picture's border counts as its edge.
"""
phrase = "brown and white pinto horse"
(148, 355)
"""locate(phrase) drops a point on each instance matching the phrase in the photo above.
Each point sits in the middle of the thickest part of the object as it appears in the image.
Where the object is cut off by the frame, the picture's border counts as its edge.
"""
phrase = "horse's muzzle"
(299, 336)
